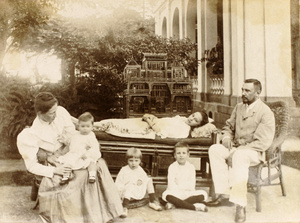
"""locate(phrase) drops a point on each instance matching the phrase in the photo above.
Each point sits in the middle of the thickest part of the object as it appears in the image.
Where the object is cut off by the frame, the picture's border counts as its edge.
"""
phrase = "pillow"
(210, 120)
(204, 131)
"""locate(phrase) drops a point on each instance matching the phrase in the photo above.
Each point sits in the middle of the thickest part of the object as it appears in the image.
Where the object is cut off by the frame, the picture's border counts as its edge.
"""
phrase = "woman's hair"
(133, 153)
(85, 117)
(181, 145)
(44, 101)
(204, 118)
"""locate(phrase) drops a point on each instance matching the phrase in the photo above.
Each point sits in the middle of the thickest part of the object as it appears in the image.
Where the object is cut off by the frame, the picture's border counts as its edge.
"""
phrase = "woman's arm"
(28, 147)
(152, 122)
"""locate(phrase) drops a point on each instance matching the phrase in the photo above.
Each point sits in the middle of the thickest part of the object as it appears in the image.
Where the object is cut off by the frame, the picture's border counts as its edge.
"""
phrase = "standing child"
(84, 149)
(133, 182)
(181, 191)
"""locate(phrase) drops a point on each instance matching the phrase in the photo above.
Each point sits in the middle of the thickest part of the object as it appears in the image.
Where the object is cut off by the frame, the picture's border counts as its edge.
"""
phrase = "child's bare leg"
(92, 169)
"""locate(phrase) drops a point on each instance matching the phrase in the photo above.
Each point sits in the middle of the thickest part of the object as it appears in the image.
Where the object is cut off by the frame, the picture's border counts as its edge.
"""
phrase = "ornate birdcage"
(156, 88)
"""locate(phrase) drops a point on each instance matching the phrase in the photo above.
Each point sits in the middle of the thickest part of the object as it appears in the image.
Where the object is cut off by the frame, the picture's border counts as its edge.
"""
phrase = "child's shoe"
(64, 181)
(155, 206)
(169, 206)
(200, 207)
(125, 213)
(92, 179)
(71, 176)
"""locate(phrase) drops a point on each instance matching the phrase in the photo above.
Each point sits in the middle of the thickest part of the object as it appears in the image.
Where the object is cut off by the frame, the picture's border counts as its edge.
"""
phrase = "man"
(247, 134)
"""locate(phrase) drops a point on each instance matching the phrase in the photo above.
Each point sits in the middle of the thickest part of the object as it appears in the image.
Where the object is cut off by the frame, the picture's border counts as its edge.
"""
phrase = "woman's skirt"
(80, 201)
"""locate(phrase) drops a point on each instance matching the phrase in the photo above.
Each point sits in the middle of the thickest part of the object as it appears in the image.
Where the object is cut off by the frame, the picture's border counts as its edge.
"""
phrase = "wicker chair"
(273, 156)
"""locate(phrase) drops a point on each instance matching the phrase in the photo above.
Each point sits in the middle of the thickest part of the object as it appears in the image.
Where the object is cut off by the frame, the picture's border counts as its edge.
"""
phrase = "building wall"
(257, 44)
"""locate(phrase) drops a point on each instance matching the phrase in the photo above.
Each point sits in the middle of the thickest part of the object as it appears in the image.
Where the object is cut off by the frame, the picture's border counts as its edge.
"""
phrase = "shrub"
(17, 105)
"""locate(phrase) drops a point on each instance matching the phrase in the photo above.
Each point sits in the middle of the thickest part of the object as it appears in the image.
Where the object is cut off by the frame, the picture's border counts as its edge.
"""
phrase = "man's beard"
(245, 100)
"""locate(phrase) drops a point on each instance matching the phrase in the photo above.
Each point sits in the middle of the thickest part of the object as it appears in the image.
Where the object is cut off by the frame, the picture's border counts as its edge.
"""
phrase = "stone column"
(257, 44)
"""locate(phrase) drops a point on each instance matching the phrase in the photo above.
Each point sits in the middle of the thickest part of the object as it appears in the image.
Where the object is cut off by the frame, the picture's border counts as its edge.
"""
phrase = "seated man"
(247, 134)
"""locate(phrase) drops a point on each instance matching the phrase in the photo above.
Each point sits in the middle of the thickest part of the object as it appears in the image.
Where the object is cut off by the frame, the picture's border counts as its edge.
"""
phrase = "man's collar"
(252, 104)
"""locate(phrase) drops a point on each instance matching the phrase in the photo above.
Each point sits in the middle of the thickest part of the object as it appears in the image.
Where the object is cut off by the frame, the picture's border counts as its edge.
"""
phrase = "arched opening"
(164, 28)
(175, 26)
(191, 20)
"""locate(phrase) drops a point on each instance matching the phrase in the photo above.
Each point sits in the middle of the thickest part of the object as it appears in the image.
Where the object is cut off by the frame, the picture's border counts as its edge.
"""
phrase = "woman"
(176, 127)
(77, 201)
(149, 126)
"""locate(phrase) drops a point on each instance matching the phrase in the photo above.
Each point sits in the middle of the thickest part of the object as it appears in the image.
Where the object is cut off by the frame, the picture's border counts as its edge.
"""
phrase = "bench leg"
(155, 165)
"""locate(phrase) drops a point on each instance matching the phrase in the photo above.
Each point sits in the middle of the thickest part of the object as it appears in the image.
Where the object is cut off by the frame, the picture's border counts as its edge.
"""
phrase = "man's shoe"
(219, 201)
(240, 215)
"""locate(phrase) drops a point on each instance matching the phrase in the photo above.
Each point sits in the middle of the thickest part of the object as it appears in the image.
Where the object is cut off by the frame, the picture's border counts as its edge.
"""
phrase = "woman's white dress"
(78, 201)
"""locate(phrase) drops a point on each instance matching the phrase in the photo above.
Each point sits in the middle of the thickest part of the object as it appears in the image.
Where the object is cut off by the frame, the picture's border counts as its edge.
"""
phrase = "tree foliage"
(17, 103)
(19, 20)
(93, 52)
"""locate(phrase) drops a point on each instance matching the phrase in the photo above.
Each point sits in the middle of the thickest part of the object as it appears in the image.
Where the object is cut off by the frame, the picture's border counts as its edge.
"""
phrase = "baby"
(181, 191)
(84, 150)
(133, 182)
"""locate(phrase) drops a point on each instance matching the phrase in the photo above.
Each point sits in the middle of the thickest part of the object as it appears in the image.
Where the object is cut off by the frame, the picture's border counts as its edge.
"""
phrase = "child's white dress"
(182, 182)
(79, 145)
(132, 184)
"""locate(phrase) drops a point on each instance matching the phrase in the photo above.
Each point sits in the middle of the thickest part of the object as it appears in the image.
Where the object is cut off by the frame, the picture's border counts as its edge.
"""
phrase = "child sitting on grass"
(133, 182)
(181, 191)
(84, 149)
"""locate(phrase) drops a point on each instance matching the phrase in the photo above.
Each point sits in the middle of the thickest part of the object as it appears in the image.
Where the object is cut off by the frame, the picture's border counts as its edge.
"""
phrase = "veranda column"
(234, 52)
(278, 80)
(257, 44)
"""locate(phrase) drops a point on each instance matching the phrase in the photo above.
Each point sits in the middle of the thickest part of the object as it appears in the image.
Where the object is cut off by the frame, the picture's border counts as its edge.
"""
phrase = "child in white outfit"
(133, 182)
(181, 191)
(84, 149)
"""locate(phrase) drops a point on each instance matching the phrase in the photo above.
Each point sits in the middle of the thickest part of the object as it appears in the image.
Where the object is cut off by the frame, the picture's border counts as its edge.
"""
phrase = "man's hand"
(62, 169)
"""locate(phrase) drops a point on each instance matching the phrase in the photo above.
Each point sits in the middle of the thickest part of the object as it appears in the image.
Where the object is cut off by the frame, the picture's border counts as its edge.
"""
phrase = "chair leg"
(34, 190)
(281, 182)
(258, 198)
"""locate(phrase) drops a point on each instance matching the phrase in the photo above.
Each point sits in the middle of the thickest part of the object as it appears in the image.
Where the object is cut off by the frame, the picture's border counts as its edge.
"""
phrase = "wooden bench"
(157, 152)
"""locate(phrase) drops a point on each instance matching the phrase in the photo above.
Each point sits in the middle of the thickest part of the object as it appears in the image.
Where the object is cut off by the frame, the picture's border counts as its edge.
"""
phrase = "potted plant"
(214, 58)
